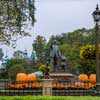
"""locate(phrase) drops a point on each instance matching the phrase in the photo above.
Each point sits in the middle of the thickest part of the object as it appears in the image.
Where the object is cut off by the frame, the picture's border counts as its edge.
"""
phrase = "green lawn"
(49, 98)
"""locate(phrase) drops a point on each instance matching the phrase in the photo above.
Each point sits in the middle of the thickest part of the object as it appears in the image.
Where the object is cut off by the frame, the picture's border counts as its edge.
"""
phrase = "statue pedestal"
(47, 87)
(62, 76)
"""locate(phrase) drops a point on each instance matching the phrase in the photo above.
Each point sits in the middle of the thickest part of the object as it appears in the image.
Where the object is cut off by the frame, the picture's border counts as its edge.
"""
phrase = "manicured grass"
(49, 98)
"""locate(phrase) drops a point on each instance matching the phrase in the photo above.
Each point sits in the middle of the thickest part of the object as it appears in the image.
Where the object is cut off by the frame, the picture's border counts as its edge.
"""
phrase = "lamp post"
(96, 17)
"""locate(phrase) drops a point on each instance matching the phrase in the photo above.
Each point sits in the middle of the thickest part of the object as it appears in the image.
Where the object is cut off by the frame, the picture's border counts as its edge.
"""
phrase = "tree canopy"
(15, 16)
(39, 46)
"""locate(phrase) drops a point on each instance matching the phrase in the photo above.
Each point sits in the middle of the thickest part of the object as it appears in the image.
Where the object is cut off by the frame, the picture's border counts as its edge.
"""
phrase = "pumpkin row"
(55, 85)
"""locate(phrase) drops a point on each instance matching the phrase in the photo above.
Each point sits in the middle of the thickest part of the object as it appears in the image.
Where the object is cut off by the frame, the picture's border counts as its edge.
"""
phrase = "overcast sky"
(55, 17)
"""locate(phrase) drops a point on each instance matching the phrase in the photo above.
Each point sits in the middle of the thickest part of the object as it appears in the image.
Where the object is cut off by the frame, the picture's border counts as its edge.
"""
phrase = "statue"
(54, 54)
(46, 72)
(63, 64)
(33, 55)
(4, 61)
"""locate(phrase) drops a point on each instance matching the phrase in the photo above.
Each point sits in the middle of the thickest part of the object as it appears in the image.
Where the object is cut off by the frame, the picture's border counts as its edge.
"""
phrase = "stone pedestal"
(47, 87)
(62, 76)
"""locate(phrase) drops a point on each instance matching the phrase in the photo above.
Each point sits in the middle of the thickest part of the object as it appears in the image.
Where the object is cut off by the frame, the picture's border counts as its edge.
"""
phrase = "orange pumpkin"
(62, 85)
(11, 86)
(78, 84)
(91, 85)
(33, 85)
(83, 77)
(41, 85)
(21, 77)
(20, 86)
(92, 78)
(36, 85)
(54, 85)
(58, 85)
(31, 77)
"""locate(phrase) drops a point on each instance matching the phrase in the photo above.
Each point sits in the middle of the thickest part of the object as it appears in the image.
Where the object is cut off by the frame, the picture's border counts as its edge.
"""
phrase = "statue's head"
(63, 58)
(54, 42)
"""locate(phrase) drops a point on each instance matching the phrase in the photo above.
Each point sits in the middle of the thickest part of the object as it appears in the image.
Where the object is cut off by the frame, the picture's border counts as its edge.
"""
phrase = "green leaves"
(15, 61)
(39, 46)
(87, 52)
(15, 15)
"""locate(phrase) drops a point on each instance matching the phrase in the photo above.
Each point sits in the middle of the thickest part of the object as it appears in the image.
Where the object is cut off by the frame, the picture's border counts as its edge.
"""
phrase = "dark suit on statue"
(54, 54)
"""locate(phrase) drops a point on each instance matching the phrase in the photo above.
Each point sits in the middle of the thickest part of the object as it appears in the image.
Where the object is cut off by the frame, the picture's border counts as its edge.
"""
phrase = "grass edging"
(49, 98)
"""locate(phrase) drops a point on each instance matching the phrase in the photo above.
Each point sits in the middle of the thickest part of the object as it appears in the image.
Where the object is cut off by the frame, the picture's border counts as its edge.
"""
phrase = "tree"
(87, 66)
(87, 56)
(20, 54)
(15, 16)
(1, 53)
(14, 61)
(16, 65)
(39, 46)
(72, 56)
(17, 68)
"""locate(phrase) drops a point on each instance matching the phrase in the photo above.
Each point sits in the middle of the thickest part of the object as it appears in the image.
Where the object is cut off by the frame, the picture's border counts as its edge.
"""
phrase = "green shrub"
(87, 55)
(15, 61)
(87, 66)
(12, 71)
(87, 52)
(42, 68)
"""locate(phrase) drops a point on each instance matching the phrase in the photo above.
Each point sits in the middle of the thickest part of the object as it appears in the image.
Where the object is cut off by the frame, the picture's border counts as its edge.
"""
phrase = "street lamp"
(96, 17)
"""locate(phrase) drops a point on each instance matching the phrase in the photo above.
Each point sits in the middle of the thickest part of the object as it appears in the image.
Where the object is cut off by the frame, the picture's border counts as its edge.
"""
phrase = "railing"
(59, 88)
(73, 88)
(21, 88)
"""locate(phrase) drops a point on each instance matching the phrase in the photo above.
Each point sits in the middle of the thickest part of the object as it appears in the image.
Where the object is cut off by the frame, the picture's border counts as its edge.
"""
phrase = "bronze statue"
(46, 72)
(63, 64)
(54, 54)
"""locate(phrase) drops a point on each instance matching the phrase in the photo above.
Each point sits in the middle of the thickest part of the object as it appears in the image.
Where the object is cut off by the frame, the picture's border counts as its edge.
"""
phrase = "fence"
(73, 88)
(44, 87)
(10, 88)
